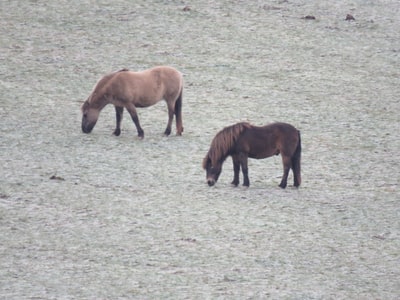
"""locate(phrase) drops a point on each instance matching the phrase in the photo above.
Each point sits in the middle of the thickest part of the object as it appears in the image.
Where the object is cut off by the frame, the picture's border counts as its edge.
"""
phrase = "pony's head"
(89, 116)
(213, 170)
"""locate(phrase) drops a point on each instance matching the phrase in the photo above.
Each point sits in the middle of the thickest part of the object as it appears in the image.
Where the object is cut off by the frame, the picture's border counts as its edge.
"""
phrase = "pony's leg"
(118, 113)
(296, 175)
(132, 111)
(178, 114)
(243, 162)
(296, 164)
(236, 170)
(287, 164)
(170, 105)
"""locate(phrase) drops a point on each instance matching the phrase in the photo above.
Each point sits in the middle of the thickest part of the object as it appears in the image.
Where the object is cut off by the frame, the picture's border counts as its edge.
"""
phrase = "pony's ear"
(81, 102)
(84, 103)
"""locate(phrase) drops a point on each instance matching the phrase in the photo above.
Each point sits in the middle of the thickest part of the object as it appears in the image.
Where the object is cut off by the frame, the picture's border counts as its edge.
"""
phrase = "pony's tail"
(296, 163)
(178, 113)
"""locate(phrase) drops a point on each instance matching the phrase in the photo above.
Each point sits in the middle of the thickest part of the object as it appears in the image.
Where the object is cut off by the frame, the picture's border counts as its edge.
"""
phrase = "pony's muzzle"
(86, 127)
(210, 182)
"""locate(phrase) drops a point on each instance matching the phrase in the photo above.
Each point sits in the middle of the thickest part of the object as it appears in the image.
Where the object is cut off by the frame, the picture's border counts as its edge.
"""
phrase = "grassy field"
(103, 217)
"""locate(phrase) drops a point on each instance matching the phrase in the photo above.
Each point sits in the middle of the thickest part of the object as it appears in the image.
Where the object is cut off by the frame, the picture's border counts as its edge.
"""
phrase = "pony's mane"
(225, 140)
(103, 81)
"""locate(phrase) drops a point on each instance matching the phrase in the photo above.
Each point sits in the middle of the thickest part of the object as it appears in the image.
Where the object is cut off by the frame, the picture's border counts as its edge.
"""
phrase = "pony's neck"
(225, 140)
(219, 155)
(98, 102)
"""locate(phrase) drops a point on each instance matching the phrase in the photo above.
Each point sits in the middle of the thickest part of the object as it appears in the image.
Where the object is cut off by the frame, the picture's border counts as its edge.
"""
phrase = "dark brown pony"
(244, 140)
(135, 89)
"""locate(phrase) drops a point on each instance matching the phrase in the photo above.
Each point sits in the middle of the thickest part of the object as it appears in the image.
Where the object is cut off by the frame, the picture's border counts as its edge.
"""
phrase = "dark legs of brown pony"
(296, 163)
(292, 162)
(236, 170)
(240, 161)
(118, 113)
(287, 164)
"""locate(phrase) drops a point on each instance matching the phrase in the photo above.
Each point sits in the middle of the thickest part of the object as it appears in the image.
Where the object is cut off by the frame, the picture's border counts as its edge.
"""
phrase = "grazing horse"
(128, 89)
(243, 140)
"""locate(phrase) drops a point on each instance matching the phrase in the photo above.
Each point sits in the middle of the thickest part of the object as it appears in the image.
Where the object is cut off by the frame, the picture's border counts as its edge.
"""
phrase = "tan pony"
(127, 89)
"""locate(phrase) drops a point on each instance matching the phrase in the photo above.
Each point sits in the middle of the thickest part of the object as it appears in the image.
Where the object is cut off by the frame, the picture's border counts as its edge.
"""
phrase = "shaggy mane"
(103, 81)
(225, 140)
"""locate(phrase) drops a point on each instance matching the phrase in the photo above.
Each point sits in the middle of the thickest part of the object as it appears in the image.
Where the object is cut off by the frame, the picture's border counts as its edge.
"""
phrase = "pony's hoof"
(141, 134)
(167, 132)
(282, 186)
(117, 132)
